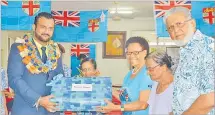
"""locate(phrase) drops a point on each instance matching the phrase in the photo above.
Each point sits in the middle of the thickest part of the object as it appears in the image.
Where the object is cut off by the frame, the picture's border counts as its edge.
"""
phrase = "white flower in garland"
(24, 53)
(19, 40)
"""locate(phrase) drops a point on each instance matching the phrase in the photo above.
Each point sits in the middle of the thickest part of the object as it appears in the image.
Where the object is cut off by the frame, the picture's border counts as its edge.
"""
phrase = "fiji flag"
(80, 26)
(160, 7)
(76, 50)
(204, 14)
(4, 2)
(19, 15)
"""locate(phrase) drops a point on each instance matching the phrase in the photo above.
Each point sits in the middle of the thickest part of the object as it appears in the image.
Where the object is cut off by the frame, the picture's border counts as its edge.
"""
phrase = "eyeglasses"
(178, 25)
(152, 68)
(87, 70)
(134, 52)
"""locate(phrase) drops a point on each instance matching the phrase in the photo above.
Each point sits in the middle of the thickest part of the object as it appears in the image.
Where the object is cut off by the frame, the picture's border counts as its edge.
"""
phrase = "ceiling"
(141, 9)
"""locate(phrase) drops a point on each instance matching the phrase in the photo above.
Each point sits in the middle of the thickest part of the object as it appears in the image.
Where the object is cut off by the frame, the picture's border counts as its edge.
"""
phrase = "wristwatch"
(122, 107)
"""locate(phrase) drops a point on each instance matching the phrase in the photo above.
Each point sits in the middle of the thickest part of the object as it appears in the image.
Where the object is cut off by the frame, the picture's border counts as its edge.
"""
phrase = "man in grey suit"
(31, 65)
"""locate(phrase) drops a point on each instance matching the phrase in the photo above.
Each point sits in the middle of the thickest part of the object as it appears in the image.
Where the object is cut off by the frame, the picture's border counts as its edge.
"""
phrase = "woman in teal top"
(137, 84)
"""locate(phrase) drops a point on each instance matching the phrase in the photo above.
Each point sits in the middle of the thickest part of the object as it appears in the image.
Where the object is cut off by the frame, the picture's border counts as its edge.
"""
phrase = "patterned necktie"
(44, 57)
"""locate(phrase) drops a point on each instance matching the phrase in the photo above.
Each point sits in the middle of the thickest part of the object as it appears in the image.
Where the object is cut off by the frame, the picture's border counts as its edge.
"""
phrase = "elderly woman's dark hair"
(82, 56)
(90, 60)
(161, 58)
(142, 41)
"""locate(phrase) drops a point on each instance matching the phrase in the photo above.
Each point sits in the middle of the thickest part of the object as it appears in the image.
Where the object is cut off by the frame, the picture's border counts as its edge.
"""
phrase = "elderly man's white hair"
(177, 9)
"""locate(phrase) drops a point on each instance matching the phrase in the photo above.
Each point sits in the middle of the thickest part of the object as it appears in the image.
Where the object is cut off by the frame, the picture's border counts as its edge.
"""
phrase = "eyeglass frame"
(152, 68)
(134, 52)
(173, 26)
(87, 70)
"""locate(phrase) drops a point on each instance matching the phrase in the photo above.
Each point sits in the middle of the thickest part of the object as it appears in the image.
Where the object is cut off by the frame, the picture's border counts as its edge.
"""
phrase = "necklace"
(134, 72)
(34, 64)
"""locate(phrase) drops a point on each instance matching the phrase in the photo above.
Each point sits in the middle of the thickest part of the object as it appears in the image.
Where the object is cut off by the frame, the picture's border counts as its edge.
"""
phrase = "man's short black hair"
(42, 14)
(142, 41)
(90, 60)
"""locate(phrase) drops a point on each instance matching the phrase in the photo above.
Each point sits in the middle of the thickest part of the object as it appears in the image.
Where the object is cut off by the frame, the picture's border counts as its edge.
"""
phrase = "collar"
(196, 36)
(38, 44)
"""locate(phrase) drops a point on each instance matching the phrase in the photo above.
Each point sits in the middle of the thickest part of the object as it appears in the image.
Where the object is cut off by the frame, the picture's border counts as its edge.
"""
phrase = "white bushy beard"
(186, 39)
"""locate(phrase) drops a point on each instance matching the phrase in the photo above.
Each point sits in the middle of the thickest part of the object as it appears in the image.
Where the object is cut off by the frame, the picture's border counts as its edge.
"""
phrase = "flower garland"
(33, 62)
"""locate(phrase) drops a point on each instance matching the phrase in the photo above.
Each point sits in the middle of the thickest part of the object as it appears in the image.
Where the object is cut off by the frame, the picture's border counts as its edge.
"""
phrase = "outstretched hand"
(110, 107)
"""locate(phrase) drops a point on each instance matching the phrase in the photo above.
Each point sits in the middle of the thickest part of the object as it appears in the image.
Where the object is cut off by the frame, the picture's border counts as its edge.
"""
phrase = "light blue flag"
(83, 26)
(206, 25)
(204, 14)
(160, 7)
(19, 15)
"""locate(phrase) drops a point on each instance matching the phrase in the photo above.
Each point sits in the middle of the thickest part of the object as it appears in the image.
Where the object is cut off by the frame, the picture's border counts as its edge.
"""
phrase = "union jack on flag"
(161, 6)
(78, 49)
(67, 18)
(4, 2)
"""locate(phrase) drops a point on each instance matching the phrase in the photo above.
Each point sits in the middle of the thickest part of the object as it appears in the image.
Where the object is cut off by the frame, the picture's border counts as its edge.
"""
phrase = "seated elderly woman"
(88, 67)
(159, 68)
